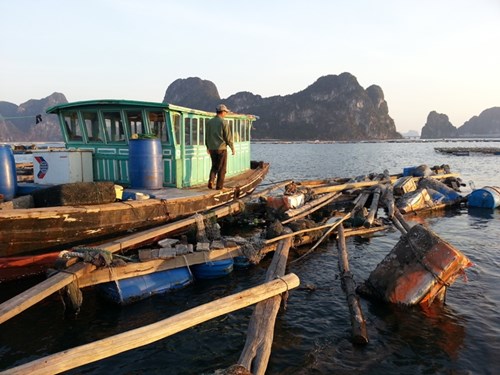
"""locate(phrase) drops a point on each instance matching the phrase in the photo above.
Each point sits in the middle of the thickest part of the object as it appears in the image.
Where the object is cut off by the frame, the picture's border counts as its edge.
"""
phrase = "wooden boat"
(98, 136)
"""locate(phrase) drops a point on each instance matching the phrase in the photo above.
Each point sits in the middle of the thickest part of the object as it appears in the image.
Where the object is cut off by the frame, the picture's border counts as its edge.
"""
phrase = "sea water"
(312, 335)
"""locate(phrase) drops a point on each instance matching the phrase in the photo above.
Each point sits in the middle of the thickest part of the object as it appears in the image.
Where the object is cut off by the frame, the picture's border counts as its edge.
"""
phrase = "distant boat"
(81, 183)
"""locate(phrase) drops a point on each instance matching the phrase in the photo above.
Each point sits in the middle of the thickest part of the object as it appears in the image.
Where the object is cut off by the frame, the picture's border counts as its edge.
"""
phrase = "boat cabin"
(106, 127)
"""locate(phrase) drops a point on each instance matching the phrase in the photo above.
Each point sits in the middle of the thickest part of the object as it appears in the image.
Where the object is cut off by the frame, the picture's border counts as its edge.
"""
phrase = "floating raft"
(466, 151)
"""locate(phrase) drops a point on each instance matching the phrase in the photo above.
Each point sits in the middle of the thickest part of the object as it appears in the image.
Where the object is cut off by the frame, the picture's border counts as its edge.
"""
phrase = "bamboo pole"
(257, 349)
(358, 324)
(336, 224)
(307, 209)
(292, 234)
(97, 350)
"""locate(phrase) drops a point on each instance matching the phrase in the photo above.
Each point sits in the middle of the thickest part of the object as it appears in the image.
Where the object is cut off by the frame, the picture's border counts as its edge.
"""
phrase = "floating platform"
(466, 151)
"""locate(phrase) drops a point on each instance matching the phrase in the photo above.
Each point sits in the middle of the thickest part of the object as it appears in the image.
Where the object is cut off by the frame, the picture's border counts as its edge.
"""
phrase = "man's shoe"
(210, 185)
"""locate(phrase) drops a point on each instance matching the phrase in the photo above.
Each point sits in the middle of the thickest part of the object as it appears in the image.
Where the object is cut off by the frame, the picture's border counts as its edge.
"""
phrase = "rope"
(284, 295)
(420, 261)
(187, 266)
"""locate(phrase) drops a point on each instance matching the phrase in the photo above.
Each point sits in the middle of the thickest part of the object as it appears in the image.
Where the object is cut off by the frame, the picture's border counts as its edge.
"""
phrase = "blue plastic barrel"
(136, 288)
(408, 171)
(8, 177)
(487, 197)
(213, 270)
(145, 164)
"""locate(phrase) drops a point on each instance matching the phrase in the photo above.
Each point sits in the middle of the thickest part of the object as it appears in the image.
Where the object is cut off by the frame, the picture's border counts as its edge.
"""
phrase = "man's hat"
(222, 108)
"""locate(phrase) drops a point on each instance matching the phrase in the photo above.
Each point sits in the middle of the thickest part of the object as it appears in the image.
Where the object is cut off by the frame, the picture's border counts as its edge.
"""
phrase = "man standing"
(218, 136)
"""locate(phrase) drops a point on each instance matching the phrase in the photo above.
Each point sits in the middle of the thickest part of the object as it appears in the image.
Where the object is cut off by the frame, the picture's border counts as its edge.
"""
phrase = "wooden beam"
(358, 324)
(28, 298)
(97, 350)
(308, 208)
(257, 350)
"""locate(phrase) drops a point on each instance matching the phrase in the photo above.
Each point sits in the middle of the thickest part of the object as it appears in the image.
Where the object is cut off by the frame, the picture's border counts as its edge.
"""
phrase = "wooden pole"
(373, 207)
(292, 234)
(307, 209)
(260, 193)
(336, 224)
(94, 351)
(359, 334)
(28, 298)
(257, 350)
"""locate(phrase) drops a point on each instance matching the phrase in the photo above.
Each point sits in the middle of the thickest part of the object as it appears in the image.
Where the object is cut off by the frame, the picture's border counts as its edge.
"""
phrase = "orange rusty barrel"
(417, 270)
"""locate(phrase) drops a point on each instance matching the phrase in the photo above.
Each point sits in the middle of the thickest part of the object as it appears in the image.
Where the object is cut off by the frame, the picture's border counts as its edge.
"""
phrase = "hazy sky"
(426, 55)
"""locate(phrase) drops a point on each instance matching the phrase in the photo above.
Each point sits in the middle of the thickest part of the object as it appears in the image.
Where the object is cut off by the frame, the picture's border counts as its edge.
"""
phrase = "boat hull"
(36, 230)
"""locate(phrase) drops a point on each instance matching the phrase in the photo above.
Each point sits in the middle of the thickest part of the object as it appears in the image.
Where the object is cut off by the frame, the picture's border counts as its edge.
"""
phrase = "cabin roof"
(102, 103)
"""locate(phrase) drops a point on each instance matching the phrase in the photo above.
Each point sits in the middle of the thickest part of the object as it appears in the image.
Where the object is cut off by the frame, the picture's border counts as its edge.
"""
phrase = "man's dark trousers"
(218, 170)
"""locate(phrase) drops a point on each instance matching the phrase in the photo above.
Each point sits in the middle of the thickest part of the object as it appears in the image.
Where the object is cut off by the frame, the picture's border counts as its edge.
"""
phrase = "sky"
(426, 55)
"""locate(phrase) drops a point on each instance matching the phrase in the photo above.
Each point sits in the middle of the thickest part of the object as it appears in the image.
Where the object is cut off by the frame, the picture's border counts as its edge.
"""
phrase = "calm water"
(313, 335)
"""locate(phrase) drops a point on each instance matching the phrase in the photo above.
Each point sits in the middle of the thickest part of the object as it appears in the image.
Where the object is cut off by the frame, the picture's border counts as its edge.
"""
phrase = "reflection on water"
(313, 335)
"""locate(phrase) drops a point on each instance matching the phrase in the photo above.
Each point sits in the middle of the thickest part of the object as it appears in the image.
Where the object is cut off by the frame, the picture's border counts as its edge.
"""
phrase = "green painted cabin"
(106, 126)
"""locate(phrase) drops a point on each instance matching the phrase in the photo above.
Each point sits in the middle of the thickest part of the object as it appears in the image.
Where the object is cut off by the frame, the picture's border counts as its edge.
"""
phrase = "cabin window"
(236, 132)
(158, 125)
(134, 119)
(242, 130)
(202, 131)
(248, 129)
(187, 131)
(194, 131)
(72, 126)
(91, 121)
(231, 126)
(176, 120)
(114, 127)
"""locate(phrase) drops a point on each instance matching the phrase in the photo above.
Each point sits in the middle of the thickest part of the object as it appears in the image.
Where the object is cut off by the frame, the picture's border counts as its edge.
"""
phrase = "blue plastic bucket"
(145, 164)
(8, 176)
(487, 197)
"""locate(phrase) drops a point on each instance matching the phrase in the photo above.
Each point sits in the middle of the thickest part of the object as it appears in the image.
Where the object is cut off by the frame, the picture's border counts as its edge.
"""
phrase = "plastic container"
(8, 176)
(145, 164)
(487, 197)
(126, 291)
(213, 270)
(408, 171)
